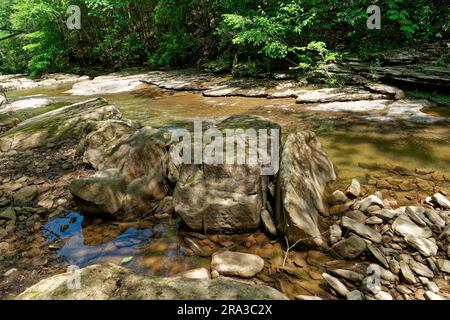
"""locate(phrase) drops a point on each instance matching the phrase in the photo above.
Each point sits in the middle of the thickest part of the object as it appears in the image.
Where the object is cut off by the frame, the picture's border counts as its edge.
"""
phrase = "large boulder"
(305, 172)
(57, 126)
(132, 179)
(225, 197)
(111, 282)
(100, 143)
(220, 198)
(103, 192)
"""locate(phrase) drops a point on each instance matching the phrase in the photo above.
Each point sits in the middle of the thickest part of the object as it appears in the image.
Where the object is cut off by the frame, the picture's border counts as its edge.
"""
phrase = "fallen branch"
(289, 248)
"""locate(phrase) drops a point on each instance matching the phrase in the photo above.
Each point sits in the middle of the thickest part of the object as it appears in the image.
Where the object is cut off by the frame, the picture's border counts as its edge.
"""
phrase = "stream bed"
(376, 152)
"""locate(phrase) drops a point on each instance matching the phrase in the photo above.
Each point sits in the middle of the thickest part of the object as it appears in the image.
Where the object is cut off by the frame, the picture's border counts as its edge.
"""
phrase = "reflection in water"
(155, 248)
(349, 138)
(75, 251)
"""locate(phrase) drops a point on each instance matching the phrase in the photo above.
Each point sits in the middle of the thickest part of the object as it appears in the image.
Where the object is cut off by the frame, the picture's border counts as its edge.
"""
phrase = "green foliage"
(252, 35)
(324, 128)
(374, 73)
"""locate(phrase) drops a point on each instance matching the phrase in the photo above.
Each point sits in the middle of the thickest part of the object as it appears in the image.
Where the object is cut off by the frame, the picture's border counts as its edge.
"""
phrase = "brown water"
(348, 138)
(357, 148)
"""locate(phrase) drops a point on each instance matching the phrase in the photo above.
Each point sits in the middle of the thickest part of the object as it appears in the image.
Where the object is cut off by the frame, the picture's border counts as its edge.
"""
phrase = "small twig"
(289, 248)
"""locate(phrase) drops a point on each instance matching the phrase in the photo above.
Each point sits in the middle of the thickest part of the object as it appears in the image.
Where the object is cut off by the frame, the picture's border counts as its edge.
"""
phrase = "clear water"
(76, 252)
(159, 248)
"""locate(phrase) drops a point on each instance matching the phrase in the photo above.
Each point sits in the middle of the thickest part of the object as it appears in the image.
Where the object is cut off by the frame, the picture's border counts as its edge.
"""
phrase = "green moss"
(324, 128)
(440, 98)
(27, 114)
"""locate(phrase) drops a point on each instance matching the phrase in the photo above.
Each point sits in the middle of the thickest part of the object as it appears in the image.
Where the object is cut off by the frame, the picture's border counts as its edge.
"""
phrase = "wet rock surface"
(20, 82)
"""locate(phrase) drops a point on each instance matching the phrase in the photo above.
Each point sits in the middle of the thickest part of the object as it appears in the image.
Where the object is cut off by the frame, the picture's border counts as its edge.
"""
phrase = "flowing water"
(357, 147)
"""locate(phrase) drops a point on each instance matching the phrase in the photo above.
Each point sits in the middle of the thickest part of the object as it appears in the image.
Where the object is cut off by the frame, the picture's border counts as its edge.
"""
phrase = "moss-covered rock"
(111, 282)
(56, 126)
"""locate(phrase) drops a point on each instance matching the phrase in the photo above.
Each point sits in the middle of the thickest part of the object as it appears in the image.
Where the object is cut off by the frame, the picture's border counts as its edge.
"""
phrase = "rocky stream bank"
(300, 234)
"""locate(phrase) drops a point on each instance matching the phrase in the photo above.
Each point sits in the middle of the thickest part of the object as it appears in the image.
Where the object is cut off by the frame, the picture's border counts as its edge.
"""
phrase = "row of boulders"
(137, 173)
(408, 247)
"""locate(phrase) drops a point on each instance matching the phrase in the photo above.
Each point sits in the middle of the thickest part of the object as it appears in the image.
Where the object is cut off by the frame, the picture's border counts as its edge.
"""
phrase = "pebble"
(355, 295)
(200, 273)
(444, 265)
(445, 233)
(8, 214)
(4, 247)
(414, 214)
(237, 264)
(369, 201)
(348, 275)
(10, 272)
(435, 218)
(378, 255)
(394, 265)
(350, 248)
(374, 221)
(432, 287)
(268, 223)
(361, 229)
(354, 189)
(429, 295)
(403, 289)
(421, 269)
(214, 274)
(382, 295)
(337, 197)
(311, 298)
(385, 214)
(426, 247)
(441, 200)
(404, 226)
(356, 215)
(407, 272)
(336, 284)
